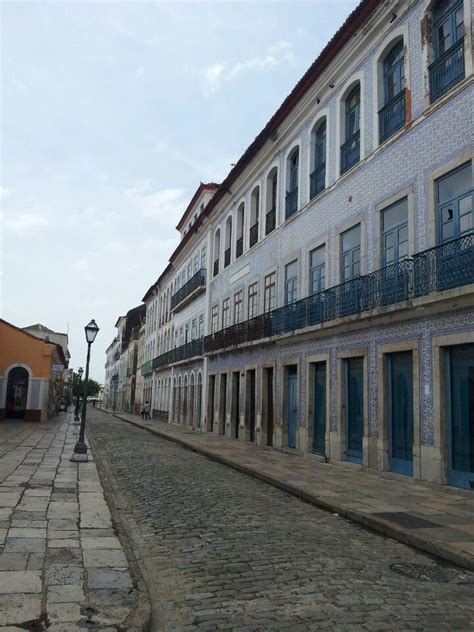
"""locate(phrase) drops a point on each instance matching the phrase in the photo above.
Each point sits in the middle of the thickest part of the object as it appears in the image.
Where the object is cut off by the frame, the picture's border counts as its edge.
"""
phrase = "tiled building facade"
(338, 298)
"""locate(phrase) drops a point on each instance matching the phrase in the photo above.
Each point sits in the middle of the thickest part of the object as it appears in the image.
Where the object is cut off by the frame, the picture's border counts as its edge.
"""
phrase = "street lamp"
(80, 371)
(80, 449)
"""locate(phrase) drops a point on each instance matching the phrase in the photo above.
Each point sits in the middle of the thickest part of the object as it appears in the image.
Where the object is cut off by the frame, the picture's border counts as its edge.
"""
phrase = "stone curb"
(140, 619)
(388, 529)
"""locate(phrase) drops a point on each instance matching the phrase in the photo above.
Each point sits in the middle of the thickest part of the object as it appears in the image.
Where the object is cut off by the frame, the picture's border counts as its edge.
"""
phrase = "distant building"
(31, 375)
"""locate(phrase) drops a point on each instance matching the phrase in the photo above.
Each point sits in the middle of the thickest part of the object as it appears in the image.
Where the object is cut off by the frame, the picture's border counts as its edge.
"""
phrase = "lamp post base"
(80, 453)
(79, 458)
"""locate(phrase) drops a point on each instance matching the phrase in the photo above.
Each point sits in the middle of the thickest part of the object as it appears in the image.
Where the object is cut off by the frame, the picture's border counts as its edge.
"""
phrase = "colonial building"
(339, 294)
(31, 375)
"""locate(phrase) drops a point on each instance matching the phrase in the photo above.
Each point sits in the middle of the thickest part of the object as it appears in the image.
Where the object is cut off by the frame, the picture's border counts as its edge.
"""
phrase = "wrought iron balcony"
(253, 235)
(227, 258)
(239, 247)
(189, 350)
(270, 221)
(191, 287)
(447, 71)
(350, 152)
(291, 202)
(392, 116)
(215, 269)
(146, 368)
(444, 267)
(116, 356)
(317, 180)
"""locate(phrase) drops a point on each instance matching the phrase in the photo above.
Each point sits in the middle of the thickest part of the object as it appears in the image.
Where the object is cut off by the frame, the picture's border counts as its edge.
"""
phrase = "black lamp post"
(80, 371)
(80, 449)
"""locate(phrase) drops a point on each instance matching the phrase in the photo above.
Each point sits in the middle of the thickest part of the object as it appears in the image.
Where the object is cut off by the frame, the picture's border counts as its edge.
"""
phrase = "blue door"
(460, 400)
(354, 408)
(400, 411)
(292, 406)
(319, 409)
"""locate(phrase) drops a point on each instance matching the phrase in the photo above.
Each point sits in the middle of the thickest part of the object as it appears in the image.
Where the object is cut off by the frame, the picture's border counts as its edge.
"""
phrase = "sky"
(111, 113)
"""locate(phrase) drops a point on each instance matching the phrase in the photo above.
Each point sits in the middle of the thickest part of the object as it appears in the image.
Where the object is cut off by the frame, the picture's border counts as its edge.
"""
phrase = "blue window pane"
(455, 183)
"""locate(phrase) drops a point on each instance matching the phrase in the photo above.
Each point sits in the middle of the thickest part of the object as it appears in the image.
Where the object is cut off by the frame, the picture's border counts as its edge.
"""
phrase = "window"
(190, 270)
(269, 296)
(228, 241)
(196, 263)
(253, 300)
(317, 270)
(272, 188)
(217, 247)
(350, 150)
(350, 254)
(239, 245)
(181, 336)
(454, 201)
(193, 329)
(291, 282)
(238, 306)
(448, 44)
(214, 319)
(292, 193)
(201, 326)
(318, 177)
(254, 211)
(225, 313)
(392, 114)
(394, 224)
(203, 258)
(186, 334)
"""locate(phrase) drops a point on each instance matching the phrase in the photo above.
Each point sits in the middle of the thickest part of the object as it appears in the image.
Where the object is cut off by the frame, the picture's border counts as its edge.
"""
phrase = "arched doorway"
(17, 393)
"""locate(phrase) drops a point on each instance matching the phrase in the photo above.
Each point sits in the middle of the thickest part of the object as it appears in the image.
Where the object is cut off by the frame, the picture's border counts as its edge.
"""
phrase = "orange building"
(31, 372)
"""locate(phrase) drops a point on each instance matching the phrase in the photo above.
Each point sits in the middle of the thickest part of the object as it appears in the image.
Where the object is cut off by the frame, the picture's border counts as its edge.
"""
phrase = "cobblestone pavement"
(221, 550)
(62, 568)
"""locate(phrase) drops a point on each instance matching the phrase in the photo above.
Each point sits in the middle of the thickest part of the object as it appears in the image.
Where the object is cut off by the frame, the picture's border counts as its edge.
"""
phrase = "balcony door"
(460, 404)
(400, 411)
(17, 393)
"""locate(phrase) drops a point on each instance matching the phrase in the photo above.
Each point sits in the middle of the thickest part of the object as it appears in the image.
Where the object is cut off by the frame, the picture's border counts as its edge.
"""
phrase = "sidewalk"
(436, 520)
(61, 562)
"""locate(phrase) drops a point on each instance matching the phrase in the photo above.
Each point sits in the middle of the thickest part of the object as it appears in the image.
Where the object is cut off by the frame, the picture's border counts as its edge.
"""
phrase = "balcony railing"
(350, 152)
(291, 202)
(227, 258)
(195, 282)
(392, 116)
(317, 180)
(239, 247)
(178, 354)
(215, 269)
(253, 235)
(444, 267)
(270, 222)
(447, 71)
(146, 368)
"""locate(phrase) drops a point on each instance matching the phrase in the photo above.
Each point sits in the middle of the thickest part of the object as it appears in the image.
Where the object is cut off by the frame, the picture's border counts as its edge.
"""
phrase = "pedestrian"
(147, 410)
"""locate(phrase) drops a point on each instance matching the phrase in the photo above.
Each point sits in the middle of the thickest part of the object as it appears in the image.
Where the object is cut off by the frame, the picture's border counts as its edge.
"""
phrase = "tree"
(93, 387)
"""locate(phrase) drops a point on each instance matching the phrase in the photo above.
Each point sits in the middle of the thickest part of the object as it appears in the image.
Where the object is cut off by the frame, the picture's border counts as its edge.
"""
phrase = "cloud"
(167, 205)
(4, 193)
(275, 55)
(25, 222)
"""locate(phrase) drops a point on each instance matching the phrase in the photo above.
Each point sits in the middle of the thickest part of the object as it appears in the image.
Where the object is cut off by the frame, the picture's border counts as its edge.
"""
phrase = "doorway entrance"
(354, 408)
(400, 411)
(235, 412)
(17, 393)
(250, 397)
(319, 408)
(292, 405)
(460, 404)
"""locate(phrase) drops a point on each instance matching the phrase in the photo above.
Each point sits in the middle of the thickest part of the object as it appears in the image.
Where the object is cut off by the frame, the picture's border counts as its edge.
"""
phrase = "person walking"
(147, 411)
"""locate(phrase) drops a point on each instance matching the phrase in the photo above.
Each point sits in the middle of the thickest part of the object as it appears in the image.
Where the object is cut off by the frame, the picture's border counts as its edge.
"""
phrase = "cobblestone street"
(221, 550)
